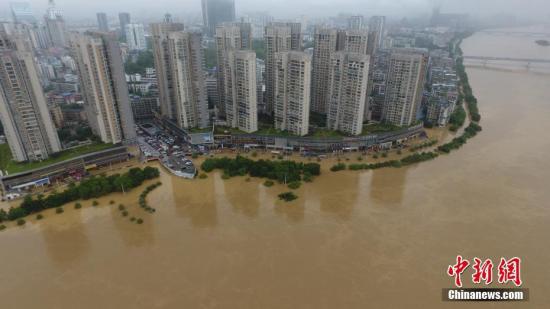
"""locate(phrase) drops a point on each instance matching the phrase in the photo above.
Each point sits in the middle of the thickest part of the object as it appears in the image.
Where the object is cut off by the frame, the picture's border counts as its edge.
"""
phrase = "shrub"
(254, 154)
(139, 221)
(124, 213)
(280, 157)
(95, 203)
(121, 207)
(133, 219)
(294, 185)
(287, 196)
(360, 158)
(247, 179)
(384, 155)
(59, 210)
(225, 176)
(77, 206)
(2, 227)
(338, 167)
(21, 222)
(39, 217)
(111, 202)
(269, 183)
(16, 213)
(307, 177)
(203, 176)
(399, 152)
(195, 155)
(375, 156)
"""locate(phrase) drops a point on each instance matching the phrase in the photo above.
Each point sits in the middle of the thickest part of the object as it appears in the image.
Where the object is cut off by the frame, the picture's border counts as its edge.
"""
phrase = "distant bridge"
(528, 60)
(519, 33)
(528, 63)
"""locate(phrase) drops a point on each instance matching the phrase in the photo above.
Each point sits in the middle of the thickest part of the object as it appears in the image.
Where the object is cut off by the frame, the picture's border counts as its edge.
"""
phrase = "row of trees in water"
(281, 171)
(92, 187)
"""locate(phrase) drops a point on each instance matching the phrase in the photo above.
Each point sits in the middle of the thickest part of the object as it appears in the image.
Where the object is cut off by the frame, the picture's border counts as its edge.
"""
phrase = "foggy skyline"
(536, 9)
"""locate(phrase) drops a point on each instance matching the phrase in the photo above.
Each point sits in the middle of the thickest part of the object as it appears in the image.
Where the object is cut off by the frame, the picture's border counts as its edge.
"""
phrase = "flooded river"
(373, 239)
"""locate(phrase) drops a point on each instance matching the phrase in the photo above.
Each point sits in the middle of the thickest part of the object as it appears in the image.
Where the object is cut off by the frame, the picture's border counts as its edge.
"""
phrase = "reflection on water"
(65, 237)
(387, 186)
(379, 239)
(337, 201)
(194, 200)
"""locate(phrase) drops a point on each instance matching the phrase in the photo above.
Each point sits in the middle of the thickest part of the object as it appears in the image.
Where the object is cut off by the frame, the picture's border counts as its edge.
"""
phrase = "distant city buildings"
(135, 37)
(292, 87)
(356, 22)
(24, 113)
(347, 92)
(258, 22)
(101, 73)
(124, 19)
(377, 28)
(217, 12)
(443, 82)
(22, 12)
(405, 85)
(102, 22)
(55, 25)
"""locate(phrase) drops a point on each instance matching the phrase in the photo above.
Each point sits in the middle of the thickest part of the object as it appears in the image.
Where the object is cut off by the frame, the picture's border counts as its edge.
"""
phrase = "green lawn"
(13, 167)
(222, 129)
(198, 130)
(327, 133)
(5, 156)
(272, 131)
(379, 128)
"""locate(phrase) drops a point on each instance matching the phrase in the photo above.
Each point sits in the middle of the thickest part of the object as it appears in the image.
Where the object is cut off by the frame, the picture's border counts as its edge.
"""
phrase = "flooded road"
(376, 239)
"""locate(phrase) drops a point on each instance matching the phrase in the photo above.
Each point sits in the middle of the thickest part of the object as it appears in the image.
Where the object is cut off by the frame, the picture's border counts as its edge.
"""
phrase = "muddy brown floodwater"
(372, 239)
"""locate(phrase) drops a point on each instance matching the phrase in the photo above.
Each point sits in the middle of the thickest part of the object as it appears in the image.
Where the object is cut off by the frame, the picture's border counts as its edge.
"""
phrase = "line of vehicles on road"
(169, 150)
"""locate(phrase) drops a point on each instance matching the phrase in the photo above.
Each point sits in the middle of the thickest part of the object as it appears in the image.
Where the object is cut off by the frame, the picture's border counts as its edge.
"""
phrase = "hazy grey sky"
(292, 8)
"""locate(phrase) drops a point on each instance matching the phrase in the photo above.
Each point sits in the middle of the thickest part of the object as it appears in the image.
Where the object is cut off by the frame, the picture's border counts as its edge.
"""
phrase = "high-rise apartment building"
(22, 12)
(325, 45)
(167, 95)
(55, 24)
(356, 22)
(297, 36)
(229, 37)
(347, 92)
(102, 22)
(104, 87)
(186, 64)
(135, 37)
(277, 39)
(241, 106)
(24, 113)
(292, 92)
(377, 28)
(123, 19)
(217, 12)
(353, 41)
(405, 83)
